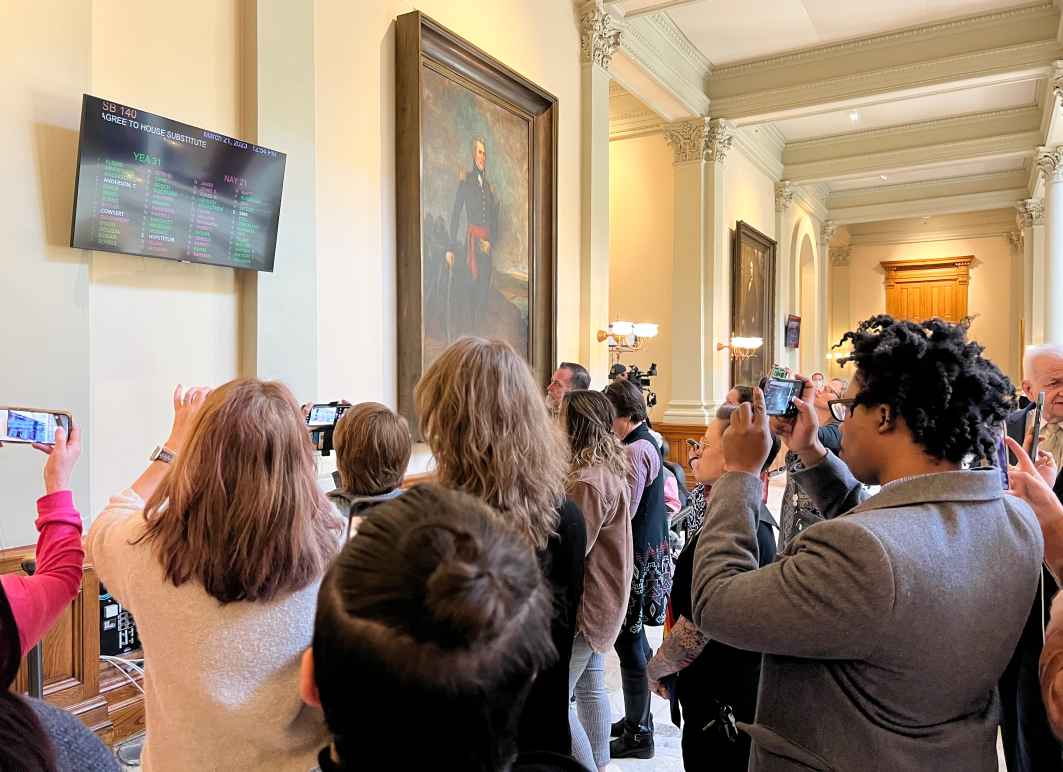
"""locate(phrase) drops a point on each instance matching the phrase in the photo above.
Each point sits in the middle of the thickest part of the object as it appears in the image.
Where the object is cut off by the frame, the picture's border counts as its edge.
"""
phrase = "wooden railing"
(74, 677)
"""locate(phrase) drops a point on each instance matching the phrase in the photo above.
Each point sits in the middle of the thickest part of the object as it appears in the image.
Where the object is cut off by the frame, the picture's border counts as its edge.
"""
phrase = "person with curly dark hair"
(887, 626)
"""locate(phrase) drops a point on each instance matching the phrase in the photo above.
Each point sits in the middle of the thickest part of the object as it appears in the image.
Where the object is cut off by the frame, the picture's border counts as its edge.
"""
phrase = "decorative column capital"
(839, 256)
(699, 139)
(1057, 81)
(1016, 241)
(784, 195)
(1029, 212)
(599, 36)
(825, 235)
(1050, 163)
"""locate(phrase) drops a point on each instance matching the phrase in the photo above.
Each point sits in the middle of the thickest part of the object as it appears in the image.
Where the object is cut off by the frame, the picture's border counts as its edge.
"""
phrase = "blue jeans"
(590, 730)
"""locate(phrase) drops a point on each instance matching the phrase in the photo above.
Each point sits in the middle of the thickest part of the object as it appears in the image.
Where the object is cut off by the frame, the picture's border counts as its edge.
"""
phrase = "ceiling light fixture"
(883, 177)
(854, 116)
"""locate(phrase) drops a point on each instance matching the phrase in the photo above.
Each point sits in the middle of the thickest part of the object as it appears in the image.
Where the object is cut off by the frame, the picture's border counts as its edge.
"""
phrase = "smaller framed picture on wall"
(793, 331)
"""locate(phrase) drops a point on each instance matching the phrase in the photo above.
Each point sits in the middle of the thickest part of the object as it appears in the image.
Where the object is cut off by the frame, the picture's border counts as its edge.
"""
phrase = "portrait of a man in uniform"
(475, 201)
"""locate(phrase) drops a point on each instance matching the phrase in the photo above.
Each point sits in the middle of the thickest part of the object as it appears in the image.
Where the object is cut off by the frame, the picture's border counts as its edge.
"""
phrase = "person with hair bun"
(431, 626)
(598, 486)
(485, 420)
(887, 626)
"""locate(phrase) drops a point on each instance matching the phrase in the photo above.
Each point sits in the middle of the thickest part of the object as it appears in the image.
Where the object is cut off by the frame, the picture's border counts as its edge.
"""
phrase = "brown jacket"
(604, 500)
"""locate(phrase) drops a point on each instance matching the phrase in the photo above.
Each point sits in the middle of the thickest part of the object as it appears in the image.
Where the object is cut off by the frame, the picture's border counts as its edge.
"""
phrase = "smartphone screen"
(325, 415)
(779, 394)
(1037, 426)
(322, 415)
(1002, 459)
(20, 425)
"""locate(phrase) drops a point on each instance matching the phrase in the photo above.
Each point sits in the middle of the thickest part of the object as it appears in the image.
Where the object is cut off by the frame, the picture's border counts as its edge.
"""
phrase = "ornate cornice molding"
(930, 205)
(697, 61)
(784, 195)
(839, 256)
(861, 45)
(699, 139)
(1029, 212)
(1057, 81)
(1050, 163)
(599, 37)
(1014, 114)
(869, 162)
(650, 46)
(781, 101)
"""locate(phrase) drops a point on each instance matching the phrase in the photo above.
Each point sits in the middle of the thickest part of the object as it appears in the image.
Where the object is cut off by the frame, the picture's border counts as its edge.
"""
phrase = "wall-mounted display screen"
(148, 185)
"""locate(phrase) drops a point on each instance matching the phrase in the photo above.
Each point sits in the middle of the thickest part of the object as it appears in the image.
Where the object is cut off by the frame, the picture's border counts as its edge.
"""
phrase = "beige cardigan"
(221, 682)
(603, 499)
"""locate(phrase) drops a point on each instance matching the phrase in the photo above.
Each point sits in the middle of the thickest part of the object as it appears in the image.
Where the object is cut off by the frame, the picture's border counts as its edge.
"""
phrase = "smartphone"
(779, 396)
(1037, 426)
(32, 424)
(324, 416)
(1002, 457)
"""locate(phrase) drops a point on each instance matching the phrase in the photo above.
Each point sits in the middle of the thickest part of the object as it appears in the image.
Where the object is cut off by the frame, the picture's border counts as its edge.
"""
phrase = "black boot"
(635, 743)
(616, 729)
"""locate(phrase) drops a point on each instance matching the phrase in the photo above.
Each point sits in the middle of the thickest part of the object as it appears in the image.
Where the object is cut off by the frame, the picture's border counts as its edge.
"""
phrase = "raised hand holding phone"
(62, 458)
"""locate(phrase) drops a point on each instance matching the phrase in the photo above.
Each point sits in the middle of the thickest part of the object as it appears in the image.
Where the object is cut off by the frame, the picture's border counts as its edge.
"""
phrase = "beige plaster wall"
(641, 197)
(990, 298)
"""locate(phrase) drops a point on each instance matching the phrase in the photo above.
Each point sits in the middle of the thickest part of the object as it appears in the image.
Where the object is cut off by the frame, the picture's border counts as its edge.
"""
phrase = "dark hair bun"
(467, 598)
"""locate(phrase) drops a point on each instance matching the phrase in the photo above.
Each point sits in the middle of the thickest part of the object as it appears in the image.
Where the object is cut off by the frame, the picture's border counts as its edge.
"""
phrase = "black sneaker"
(636, 742)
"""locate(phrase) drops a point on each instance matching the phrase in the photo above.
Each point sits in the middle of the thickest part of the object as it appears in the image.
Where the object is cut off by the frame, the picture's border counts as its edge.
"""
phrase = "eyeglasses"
(841, 409)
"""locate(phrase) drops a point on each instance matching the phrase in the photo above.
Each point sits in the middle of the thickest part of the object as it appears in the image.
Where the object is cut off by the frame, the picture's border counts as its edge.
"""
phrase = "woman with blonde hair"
(483, 415)
(598, 485)
(218, 550)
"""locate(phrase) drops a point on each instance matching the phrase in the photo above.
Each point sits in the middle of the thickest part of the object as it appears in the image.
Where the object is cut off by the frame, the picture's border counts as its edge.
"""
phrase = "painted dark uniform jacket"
(473, 217)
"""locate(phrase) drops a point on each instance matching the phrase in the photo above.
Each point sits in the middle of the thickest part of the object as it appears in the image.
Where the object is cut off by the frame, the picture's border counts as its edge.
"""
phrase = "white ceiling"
(999, 96)
(926, 174)
(727, 31)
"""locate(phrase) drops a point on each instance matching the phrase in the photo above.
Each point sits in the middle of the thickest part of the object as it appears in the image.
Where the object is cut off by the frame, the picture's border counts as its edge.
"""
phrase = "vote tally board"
(151, 186)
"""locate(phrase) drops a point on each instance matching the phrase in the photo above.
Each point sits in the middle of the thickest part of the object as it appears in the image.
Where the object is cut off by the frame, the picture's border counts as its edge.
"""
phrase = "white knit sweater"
(221, 682)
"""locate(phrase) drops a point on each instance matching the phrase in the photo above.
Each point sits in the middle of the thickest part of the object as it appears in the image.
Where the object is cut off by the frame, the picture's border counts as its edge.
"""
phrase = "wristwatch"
(163, 454)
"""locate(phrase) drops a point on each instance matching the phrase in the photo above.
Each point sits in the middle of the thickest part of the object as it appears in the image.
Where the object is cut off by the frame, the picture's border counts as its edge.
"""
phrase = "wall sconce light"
(625, 337)
(741, 348)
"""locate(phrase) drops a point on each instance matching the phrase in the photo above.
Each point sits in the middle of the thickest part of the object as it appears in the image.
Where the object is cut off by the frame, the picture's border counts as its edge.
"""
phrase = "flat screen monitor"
(148, 185)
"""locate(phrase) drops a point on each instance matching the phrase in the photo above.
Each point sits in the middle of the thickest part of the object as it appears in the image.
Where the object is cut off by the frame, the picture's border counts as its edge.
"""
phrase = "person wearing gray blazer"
(886, 627)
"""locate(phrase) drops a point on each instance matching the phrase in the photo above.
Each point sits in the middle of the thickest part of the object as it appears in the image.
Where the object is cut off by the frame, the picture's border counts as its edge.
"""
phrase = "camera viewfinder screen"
(777, 396)
(322, 415)
(26, 426)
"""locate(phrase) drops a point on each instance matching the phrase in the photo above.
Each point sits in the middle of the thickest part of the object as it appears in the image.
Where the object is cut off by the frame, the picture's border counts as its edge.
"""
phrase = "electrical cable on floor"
(117, 662)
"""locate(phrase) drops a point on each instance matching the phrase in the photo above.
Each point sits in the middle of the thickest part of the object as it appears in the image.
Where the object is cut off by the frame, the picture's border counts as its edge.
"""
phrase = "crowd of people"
(465, 624)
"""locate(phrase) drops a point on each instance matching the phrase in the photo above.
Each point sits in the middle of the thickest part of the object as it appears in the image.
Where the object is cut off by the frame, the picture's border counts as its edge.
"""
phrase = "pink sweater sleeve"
(36, 601)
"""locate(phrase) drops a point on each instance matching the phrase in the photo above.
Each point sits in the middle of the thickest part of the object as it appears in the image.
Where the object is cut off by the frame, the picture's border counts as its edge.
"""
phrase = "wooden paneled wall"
(677, 436)
(74, 677)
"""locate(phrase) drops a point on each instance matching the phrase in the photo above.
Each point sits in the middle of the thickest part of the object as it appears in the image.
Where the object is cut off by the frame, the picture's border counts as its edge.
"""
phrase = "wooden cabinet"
(923, 289)
(74, 677)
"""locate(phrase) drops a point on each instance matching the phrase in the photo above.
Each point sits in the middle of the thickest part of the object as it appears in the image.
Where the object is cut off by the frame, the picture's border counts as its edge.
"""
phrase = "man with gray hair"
(1029, 744)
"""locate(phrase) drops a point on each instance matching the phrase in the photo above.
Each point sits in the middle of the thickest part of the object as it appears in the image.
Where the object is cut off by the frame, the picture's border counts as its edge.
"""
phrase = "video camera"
(636, 376)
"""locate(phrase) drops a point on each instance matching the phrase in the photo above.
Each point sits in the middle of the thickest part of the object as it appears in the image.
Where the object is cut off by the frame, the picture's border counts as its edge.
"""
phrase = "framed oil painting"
(752, 301)
(476, 191)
